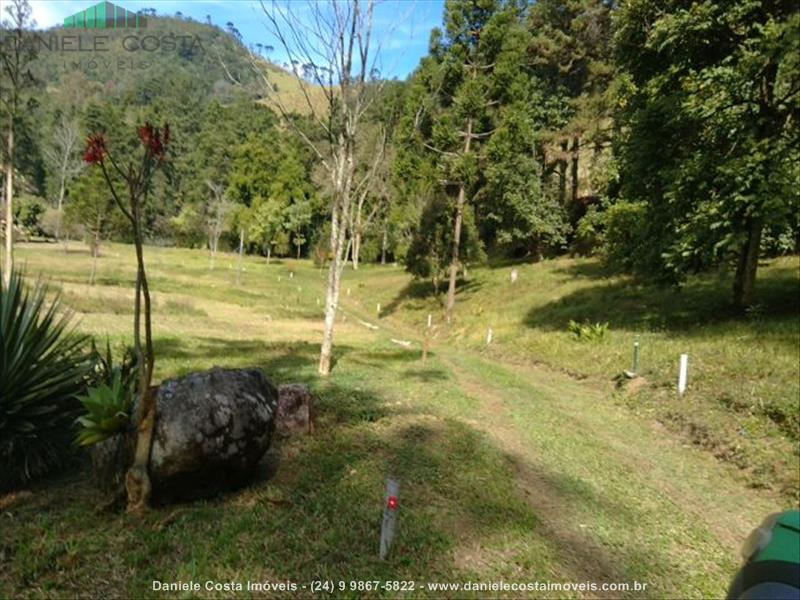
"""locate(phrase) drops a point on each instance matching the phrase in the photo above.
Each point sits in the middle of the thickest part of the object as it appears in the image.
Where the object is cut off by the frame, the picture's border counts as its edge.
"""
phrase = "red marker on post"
(389, 515)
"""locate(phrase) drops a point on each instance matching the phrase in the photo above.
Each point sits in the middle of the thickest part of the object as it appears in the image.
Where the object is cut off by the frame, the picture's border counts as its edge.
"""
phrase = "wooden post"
(426, 340)
(389, 515)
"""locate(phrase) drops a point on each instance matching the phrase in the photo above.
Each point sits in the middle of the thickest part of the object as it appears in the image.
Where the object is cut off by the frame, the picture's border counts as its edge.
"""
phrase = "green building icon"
(105, 16)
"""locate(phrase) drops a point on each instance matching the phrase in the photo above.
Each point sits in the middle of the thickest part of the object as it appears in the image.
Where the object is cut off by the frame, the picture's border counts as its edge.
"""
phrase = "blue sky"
(402, 25)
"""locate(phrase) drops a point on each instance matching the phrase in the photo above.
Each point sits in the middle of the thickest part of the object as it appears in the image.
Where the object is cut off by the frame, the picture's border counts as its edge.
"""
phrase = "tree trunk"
(269, 251)
(298, 251)
(340, 210)
(9, 260)
(95, 252)
(332, 293)
(562, 174)
(745, 281)
(239, 262)
(356, 247)
(451, 289)
(574, 171)
(60, 208)
(383, 244)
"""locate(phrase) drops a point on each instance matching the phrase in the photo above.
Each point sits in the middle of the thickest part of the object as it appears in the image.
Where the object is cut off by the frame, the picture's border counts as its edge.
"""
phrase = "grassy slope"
(743, 399)
(510, 473)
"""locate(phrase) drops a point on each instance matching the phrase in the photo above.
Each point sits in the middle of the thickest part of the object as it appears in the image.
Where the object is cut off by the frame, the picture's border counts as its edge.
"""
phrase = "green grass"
(743, 398)
(518, 463)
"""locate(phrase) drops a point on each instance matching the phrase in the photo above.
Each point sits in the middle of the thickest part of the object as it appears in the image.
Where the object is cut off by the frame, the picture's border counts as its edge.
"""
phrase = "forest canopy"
(661, 136)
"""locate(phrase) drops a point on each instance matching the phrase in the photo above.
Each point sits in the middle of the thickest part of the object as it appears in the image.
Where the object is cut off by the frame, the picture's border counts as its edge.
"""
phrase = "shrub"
(625, 234)
(28, 211)
(43, 367)
(588, 332)
(589, 232)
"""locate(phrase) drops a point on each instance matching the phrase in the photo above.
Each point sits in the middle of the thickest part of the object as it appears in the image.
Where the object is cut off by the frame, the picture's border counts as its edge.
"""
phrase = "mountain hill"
(168, 52)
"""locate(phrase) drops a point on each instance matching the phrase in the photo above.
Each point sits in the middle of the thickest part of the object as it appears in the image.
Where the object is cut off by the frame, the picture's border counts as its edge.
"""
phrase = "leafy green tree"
(570, 60)
(429, 252)
(710, 106)
(452, 103)
(274, 183)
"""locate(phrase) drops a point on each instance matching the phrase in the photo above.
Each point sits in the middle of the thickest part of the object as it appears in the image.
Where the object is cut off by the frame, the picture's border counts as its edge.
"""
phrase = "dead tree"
(334, 39)
(64, 158)
(216, 219)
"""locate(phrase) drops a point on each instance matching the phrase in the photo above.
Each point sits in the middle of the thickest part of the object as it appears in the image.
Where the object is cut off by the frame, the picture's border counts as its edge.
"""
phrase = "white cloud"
(48, 13)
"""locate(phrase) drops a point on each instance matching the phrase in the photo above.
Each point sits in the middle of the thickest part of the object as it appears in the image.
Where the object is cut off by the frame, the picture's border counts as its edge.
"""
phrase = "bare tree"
(334, 40)
(64, 159)
(16, 54)
(219, 209)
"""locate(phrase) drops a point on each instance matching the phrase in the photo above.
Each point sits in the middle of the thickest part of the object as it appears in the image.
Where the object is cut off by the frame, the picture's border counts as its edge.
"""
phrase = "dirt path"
(725, 507)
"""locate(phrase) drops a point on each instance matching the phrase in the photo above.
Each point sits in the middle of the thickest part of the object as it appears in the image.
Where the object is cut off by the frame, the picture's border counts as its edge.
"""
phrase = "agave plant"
(107, 410)
(42, 368)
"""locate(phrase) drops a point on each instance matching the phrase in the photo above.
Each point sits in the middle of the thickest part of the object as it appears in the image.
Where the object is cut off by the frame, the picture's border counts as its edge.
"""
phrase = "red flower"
(153, 141)
(95, 149)
(146, 134)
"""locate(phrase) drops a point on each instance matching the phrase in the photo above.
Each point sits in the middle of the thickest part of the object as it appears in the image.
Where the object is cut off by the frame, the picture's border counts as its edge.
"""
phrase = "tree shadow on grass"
(465, 513)
(279, 360)
(417, 289)
(593, 269)
(427, 375)
(628, 304)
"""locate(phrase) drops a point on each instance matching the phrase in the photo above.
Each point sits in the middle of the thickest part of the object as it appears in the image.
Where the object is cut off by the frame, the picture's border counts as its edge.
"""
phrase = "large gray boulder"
(212, 428)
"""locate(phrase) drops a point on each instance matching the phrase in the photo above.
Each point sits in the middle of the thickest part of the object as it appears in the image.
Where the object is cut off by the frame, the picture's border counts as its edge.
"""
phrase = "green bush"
(28, 213)
(589, 232)
(625, 234)
(588, 332)
(43, 367)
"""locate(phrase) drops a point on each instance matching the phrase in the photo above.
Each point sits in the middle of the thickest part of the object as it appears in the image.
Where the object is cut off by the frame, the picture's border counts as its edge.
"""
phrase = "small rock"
(294, 409)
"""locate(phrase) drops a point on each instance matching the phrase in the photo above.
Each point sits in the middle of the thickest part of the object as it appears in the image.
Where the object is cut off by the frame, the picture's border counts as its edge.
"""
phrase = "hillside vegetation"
(510, 468)
(172, 51)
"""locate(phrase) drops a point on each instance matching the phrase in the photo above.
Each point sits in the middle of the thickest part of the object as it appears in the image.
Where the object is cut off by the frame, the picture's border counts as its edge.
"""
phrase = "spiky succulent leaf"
(42, 368)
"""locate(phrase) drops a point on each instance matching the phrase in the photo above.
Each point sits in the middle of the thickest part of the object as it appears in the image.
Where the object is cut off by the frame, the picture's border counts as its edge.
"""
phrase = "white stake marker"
(430, 321)
(683, 373)
(379, 308)
(489, 336)
(389, 515)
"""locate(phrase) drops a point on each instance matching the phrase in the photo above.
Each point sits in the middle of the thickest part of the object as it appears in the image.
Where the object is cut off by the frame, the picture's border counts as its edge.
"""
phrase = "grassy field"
(519, 462)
